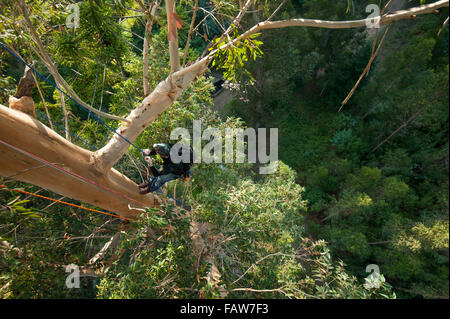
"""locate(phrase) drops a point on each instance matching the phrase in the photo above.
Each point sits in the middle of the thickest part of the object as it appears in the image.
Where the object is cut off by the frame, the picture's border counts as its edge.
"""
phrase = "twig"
(112, 243)
(398, 130)
(261, 260)
(66, 115)
(103, 87)
(53, 203)
(366, 69)
(280, 290)
(277, 9)
(443, 25)
(385, 7)
(43, 102)
(374, 44)
(147, 40)
(191, 29)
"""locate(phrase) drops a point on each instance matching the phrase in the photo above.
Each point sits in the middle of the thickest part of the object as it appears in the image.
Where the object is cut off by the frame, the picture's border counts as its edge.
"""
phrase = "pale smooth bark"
(173, 36)
(168, 90)
(25, 132)
(99, 165)
(153, 105)
(385, 19)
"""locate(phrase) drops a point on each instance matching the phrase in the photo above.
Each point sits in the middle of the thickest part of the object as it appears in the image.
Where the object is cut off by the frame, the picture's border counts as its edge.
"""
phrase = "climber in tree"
(169, 171)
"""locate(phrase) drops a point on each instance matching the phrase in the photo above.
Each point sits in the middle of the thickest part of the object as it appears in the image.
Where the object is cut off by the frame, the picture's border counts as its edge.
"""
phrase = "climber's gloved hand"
(149, 160)
(146, 151)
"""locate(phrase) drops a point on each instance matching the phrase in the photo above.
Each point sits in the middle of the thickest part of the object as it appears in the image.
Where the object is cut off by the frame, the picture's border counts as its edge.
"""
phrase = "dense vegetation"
(385, 205)
(337, 203)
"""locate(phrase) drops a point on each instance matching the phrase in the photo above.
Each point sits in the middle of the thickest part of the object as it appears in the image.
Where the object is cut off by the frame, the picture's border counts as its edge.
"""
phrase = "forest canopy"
(362, 177)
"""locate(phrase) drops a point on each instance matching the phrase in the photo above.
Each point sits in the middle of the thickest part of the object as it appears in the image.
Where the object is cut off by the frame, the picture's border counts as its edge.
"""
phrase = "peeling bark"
(22, 100)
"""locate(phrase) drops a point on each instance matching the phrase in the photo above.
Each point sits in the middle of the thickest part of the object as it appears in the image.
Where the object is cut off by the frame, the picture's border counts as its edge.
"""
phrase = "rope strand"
(74, 175)
(65, 203)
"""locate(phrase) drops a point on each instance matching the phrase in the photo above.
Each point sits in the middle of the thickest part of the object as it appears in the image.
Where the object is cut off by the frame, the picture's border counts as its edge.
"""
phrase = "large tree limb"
(151, 107)
(34, 137)
(172, 87)
(385, 19)
(43, 102)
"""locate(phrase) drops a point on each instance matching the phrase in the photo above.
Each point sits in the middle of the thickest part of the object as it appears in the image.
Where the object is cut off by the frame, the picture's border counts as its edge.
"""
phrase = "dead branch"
(110, 245)
(366, 69)
(191, 29)
(399, 129)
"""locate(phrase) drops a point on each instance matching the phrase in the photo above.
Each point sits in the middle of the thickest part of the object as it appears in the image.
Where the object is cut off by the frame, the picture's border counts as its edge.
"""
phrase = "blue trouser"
(158, 181)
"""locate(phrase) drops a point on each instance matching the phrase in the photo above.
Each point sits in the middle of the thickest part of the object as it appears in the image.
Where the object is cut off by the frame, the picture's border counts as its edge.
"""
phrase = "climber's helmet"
(162, 149)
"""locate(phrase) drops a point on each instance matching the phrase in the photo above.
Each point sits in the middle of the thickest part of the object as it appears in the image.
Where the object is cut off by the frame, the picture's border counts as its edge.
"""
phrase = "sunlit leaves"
(233, 57)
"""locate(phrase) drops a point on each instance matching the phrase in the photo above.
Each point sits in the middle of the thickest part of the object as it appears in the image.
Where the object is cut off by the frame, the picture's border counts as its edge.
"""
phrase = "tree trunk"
(26, 133)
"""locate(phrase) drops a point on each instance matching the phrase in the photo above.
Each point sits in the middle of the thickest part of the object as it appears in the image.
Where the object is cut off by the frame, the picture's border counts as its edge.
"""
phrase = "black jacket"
(167, 167)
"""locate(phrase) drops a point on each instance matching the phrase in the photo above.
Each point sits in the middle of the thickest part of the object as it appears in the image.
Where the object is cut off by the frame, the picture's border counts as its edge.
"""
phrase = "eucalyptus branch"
(385, 20)
(191, 29)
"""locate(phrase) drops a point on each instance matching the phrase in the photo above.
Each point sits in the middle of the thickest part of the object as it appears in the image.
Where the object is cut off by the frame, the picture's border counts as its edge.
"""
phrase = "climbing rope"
(79, 138)
(63, 128)
(82, 179)
(65, 203)
(63, 92)
(74, 175)
(179, 203)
